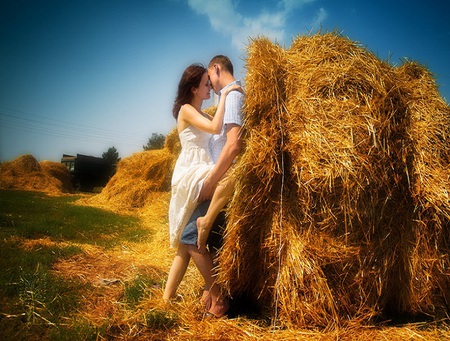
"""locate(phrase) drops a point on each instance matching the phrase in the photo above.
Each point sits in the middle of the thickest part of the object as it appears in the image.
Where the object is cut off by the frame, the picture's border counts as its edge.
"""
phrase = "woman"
(192, 167)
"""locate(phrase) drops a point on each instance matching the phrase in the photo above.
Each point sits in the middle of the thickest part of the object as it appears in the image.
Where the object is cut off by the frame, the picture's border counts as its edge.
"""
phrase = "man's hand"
(207, 191)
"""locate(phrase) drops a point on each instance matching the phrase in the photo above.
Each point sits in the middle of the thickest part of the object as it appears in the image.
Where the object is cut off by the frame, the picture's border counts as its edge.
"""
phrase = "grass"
(136, 289)
(35, 215)
(36, 303)
(72, 272)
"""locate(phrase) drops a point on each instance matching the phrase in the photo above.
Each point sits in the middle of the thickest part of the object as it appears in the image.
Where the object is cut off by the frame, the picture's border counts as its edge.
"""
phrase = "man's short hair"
(224, 62)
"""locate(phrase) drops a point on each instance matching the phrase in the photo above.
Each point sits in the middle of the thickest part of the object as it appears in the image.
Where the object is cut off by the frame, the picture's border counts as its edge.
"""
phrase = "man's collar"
(238, 82)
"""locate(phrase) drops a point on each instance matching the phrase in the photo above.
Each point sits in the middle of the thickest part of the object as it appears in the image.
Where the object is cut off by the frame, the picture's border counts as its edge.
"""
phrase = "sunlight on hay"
(340, 214)
(172, 142)
(60, 172)
(346, 169)
(104, 304)
(248, 330)
(26, 173)
(109, 271)
(137, 179)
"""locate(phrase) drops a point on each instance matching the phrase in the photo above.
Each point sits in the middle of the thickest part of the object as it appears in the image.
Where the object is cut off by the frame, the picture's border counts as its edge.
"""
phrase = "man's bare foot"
(218, 308)
(203, 232)
(206, 300)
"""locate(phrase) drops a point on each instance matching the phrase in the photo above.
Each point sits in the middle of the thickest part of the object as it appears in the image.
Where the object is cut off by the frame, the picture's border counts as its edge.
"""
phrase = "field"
(75, 272)
(338, 229)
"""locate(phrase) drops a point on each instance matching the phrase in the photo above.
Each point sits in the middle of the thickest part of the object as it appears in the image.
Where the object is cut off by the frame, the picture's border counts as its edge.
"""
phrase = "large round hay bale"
(60, 172)
(430, 183)
(22, 165)
(326, 224)
(172, 142)
(26, 173)
(136, 179)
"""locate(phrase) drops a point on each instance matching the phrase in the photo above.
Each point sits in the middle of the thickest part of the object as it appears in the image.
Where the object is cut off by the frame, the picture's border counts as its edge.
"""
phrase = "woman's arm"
(213, 126)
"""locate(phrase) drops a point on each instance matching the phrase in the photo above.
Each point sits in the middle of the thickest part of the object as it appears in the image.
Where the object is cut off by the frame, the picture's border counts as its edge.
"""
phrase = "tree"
(112, 156)
(155, 142)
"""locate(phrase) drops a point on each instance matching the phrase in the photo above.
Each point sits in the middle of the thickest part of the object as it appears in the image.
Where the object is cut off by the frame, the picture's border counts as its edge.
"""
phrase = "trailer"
(87, 172)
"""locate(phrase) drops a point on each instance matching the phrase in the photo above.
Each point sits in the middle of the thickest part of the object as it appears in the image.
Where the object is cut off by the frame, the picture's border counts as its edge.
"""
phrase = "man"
(224, 148)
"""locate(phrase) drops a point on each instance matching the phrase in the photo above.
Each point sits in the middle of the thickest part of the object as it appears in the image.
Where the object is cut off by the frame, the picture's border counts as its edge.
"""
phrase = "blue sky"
(82, 76)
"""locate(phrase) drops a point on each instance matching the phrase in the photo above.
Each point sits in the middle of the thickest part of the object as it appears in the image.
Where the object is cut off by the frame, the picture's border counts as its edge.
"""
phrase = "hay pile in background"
(60, 172)
(137, 179)
(26, 173)
(341, 210)
(173, 143)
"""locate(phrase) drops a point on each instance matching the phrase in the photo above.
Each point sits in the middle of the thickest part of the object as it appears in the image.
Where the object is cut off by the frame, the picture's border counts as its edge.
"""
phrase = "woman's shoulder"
(184, 107)
(187, 109)
(187, 106)
(185, 116)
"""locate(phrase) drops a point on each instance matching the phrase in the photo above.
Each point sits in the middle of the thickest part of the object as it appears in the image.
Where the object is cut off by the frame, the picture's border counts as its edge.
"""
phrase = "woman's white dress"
(193, 165)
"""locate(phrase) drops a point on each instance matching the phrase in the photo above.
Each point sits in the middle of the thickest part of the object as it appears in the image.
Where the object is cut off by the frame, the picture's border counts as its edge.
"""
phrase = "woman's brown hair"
(190, 79)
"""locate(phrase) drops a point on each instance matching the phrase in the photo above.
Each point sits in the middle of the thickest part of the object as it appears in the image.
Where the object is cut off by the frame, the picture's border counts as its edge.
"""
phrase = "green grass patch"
(160, 319)
(137, 289)
(34, 215)
(35, 303)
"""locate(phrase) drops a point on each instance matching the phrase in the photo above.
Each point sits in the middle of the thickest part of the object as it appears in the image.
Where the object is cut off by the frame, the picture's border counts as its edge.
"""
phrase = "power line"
(57, 122)
(42, 125)
(66, 135)
(61, 131)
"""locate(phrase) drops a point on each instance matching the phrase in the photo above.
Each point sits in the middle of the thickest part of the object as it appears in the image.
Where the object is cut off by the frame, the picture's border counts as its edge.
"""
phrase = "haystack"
(58, 171)
(137, 178)
(26, 173)
(172, 143)
(341, 210)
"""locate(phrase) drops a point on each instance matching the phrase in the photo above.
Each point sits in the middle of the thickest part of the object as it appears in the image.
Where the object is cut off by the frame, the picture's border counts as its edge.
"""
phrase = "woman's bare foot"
(203, 232)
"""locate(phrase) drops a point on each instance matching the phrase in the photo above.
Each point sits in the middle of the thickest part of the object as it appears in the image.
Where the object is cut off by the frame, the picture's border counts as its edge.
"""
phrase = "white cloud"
(266, 24)
(224, 18)
(221, 13)
(320, 17)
